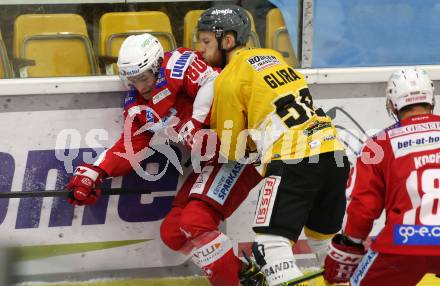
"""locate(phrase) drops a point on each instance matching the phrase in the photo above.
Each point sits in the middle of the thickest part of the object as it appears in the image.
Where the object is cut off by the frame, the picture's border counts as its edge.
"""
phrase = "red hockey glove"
(342, 259)
(187, 131)
(83, 185)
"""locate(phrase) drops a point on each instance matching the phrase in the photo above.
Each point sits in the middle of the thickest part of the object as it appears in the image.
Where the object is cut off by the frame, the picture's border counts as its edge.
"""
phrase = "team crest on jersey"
(130, 97)
(161, 79)
(181, 64)
(260, 63)
(150, 115)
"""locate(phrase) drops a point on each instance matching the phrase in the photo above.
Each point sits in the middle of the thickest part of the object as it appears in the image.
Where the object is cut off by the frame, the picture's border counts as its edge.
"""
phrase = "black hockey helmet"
(224, 18)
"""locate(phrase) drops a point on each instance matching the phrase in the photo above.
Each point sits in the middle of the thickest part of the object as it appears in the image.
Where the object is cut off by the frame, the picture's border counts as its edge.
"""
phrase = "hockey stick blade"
(305, 278)
(62, 193)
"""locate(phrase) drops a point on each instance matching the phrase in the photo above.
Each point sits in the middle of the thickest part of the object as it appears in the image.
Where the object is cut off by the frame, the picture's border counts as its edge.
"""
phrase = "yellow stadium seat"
(277, 37)
(5, 67)
(190, 30)
(116, 26)
(254, 41)
(48, 45)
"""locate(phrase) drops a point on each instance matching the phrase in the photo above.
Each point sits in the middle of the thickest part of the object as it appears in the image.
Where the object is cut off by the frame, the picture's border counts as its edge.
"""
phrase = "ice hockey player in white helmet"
(177, 84)
(404, 183)
(138, 54)
(409, 86)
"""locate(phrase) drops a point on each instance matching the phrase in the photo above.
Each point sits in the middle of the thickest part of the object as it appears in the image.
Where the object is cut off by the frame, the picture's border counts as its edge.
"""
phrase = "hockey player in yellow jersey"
(262, 103)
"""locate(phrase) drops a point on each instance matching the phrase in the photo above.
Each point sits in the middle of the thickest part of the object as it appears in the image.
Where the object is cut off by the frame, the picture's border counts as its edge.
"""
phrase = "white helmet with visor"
(138, 54)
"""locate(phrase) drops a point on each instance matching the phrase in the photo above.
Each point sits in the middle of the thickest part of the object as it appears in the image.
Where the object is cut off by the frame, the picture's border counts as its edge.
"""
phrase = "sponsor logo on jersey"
(224, 181)
(181, 65)
(420, 161)
(207, 253)
(161, 95)
(260, 63)
(281, 77)
(428, 126)
(315, 127)
(405, 234)
(419, 118)
(416, 142)
(201, 181)
(266, 200)
(212, 251)
(329, 138)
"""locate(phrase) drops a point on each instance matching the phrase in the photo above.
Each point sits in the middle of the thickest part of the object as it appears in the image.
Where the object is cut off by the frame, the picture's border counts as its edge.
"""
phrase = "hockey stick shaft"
(305, 278)
(62, 193)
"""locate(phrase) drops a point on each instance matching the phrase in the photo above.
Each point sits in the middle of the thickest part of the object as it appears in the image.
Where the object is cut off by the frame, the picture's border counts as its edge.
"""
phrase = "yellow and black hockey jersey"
(259, 96)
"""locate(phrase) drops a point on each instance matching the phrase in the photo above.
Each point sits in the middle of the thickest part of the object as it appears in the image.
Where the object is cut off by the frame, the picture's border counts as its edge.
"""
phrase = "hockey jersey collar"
(419, 119)
(237, 52)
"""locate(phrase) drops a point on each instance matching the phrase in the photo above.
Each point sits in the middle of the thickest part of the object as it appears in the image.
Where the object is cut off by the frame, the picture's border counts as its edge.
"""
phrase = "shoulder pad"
(130, 98)
(179, 61)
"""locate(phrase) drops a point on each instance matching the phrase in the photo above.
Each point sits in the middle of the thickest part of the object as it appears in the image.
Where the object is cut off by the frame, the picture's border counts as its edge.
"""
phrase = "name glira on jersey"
(281, 77)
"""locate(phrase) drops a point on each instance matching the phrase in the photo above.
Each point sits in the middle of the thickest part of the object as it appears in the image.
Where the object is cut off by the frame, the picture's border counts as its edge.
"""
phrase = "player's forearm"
(119, 159)
(358, 227)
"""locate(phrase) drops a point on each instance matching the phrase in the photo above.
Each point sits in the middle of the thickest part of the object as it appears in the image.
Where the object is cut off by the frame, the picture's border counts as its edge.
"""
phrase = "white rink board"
(37, 131)
(29, 134)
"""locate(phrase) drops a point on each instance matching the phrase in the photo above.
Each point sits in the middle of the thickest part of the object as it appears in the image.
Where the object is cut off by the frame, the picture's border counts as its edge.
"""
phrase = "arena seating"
(277, 37)
(114, 27)
(48, 45)
(5, 67)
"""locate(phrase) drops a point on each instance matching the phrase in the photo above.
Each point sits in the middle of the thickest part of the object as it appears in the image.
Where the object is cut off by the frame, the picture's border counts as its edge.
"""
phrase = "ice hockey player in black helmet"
(305, 166)
(222, 20)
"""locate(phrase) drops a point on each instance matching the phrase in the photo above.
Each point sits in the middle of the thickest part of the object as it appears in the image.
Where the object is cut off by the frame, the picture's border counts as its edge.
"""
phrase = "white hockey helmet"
(138, 54)
(409, 86)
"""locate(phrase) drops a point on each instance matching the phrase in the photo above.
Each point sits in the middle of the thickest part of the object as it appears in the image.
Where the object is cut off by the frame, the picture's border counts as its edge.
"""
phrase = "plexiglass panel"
(59, 38)
(376, 33)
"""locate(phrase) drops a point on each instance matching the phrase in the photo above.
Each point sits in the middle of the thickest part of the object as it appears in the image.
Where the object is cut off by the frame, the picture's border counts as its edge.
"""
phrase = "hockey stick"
(44, 194)
(305, 278)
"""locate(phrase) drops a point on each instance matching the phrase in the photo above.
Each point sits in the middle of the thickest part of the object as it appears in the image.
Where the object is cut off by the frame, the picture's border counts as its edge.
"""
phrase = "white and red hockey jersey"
(183, 76)
(399, 171)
